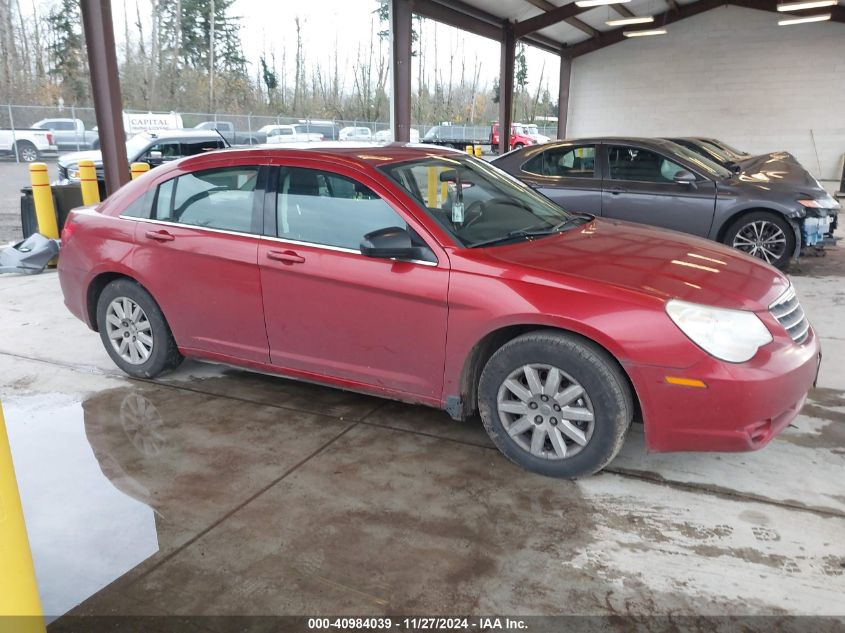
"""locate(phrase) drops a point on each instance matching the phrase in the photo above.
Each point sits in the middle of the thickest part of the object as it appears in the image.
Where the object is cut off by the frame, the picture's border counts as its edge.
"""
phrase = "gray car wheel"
(764, 235)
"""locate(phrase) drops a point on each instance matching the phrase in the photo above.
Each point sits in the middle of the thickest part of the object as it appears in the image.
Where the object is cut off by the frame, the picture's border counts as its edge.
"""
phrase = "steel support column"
(105, 88)
(506, 86)
(400, 69)
(563, 95)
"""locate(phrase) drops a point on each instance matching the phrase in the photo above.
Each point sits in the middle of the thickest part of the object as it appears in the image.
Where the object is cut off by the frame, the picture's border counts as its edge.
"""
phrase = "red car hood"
(666, 264)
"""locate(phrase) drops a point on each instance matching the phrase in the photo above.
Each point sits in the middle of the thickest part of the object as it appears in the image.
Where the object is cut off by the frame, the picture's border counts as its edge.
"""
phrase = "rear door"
(638, 186)
(569, 174)
(197, 255)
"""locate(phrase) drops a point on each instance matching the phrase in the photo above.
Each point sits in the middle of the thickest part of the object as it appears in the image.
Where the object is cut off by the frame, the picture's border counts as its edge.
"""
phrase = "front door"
(197, 255)
(638, 186)
(330, 310)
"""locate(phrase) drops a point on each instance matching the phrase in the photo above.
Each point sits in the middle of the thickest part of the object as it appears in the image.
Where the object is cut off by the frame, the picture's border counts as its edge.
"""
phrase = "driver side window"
(169, 151)
(564, 162)
(323, 208)
(641, 165)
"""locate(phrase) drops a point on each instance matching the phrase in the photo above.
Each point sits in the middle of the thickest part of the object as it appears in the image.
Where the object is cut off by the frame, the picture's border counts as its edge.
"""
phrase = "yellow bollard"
(468, 149)
(20, 606)
(478, 151)
(139, 169)
(42, 197)
(432, 188)
(88, 180)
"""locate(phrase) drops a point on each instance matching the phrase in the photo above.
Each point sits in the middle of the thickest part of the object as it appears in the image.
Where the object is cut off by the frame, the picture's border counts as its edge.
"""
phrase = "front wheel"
(555, 404)
(764, 235)
(134, 330)
(518, 146)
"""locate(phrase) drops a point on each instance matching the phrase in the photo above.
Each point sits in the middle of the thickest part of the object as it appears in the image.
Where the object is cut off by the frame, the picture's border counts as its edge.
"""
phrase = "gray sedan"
(655, 181)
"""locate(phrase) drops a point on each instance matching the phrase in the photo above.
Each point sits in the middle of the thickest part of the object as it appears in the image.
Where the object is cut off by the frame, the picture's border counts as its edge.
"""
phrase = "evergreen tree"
(67, 52)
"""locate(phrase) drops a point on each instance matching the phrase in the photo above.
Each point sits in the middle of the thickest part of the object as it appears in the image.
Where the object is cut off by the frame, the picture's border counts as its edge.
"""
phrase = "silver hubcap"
(761, 239)
(129, 330)
(546, 412)
(27, 154)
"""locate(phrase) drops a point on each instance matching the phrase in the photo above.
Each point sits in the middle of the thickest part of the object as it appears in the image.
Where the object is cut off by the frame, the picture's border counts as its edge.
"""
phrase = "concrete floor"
(220, 492)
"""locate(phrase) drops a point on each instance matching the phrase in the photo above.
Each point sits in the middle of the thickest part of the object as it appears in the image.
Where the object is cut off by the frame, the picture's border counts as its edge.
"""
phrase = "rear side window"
(213, 198)
(190, 148)
(324, 208)
(565, 162)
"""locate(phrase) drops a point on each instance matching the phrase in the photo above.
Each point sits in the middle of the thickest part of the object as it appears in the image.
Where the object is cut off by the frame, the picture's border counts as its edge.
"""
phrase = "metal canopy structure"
(566, 30)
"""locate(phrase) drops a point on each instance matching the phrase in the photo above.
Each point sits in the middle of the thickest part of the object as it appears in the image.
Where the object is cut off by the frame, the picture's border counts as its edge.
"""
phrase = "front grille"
(789, 313)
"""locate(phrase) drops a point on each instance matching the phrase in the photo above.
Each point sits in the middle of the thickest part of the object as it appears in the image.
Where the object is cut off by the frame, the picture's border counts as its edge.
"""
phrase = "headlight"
(731, 335)
(73, 173)
(828, 202)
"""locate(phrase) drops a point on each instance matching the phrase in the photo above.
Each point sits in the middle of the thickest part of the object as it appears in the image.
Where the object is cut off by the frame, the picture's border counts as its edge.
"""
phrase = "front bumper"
(742, 408)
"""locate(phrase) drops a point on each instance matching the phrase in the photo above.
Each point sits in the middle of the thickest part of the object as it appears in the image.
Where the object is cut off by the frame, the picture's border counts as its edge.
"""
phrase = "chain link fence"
(75, 128)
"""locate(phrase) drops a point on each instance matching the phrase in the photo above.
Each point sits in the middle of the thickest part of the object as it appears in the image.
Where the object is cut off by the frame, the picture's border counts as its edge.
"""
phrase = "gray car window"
(565, 162)
(641, 165)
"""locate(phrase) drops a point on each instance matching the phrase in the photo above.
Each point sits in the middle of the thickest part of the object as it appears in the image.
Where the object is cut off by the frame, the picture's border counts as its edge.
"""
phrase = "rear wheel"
(27, 152)
(555, 404)
(764, 235)
(134, 331)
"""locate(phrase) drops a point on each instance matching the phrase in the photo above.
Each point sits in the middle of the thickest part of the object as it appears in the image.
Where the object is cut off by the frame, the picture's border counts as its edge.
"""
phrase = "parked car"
(28, 145)
(386, 136)
(429, 276)
(355, 134)
(232, 135)
(288, 134)
(658, 182)
(69, 134)
(154, 148)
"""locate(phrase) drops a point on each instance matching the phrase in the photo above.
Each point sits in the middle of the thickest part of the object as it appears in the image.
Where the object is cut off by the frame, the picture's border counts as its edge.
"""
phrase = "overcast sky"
(268, 25)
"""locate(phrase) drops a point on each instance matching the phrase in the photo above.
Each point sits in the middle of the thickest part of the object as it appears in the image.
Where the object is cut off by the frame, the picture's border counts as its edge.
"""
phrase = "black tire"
(27, 152)
(164, 355)
(518, 146)
(744, 226)
(604, 385)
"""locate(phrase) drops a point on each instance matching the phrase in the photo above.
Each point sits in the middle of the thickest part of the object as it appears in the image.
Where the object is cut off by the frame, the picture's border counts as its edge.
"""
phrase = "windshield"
(532, 129)
(136, 145)
(703, 163)
(475, 202)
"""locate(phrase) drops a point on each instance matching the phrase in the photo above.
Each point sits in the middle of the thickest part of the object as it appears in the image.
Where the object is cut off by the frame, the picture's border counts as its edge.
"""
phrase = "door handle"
(616, 190)
(159, 236)
(286, 257)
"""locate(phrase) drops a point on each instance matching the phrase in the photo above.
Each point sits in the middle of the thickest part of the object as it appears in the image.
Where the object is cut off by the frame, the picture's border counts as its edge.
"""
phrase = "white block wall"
(730, 73)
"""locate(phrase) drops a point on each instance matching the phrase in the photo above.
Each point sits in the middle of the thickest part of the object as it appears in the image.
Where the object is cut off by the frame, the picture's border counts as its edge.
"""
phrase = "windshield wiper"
(526, 233)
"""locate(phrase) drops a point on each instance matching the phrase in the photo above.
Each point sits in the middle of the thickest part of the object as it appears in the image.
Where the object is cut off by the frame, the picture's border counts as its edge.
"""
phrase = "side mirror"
(388, 243)
(684, 177)
(155, 156)
(395, 243)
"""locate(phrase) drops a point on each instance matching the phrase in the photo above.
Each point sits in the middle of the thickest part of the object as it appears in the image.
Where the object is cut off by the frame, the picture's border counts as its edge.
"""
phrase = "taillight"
(69, 228)
(49, 138)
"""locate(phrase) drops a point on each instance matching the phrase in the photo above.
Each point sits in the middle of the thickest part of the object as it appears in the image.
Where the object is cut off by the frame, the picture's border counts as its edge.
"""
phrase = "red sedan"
(425, 275)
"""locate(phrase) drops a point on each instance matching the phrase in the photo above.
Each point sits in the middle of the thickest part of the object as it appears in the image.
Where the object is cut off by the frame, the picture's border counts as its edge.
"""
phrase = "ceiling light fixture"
(598, 3)
(804, 20)
(644, 33)
(628, 21)
(806, 4)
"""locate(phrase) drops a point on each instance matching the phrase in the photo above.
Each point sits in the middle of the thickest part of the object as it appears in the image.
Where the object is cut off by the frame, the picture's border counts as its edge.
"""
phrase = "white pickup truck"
(289, 134)
(29, 145)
